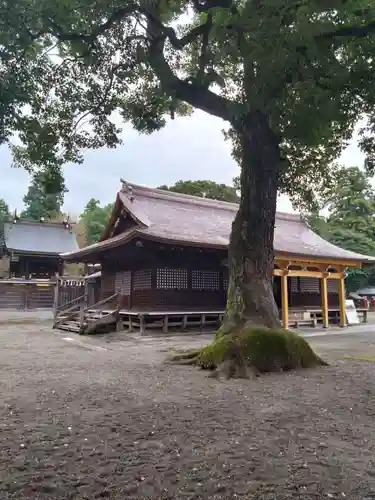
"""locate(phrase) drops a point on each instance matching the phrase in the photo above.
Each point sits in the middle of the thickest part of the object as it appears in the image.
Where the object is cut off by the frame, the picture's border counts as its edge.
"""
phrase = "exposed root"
(248, 352)
(183, 357)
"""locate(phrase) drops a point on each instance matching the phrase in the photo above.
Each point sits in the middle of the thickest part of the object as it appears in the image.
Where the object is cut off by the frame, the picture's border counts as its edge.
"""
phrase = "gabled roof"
(189, 220)
(42, 238)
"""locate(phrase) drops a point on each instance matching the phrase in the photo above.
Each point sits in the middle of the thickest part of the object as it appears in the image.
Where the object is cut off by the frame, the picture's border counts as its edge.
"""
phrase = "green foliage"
(69, 69)
(204, 189)
(350, 222)
(39, 203)
(95, 219)
(4, 211)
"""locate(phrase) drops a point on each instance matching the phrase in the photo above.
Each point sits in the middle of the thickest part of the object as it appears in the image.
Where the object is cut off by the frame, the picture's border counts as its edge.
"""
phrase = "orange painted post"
(324, 293)
(284, 300)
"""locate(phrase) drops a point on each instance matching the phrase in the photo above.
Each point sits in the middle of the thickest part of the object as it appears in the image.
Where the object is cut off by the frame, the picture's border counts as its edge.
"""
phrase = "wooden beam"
(308, 274)
(316, 260)
(284, 300)
(342, 302)
(324, 293)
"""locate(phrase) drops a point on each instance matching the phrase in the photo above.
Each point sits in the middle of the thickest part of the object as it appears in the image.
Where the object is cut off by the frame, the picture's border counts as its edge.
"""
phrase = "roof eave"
(99, 247)
(32, 252)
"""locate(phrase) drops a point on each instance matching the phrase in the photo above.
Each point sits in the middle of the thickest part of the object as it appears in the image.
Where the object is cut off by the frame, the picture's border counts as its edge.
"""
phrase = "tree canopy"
(4, 211)
(95, 219)
(39, 203)
(350, 222)
(204, 189)
(69, 70)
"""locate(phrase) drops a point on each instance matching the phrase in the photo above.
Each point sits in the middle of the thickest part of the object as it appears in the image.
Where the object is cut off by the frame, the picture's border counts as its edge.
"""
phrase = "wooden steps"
(83, 320)
(92, 322)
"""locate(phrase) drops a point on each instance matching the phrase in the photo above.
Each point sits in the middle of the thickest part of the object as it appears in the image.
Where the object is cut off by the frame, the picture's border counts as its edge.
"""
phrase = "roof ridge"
(27, 222)
(198, 200)
(186, 198)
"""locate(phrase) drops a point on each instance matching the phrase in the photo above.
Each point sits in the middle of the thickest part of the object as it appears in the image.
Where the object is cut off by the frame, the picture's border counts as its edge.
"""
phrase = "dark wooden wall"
(36, 267)
(162, 277)
(306, 292)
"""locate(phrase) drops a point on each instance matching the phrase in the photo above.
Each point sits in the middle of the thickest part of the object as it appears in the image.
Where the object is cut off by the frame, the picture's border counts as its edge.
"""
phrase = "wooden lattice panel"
(309, 285)
(142, 280)
(122, 282)
(167, 278)
(333, 286)
(205, 280)
(225, 283)
(294, 285)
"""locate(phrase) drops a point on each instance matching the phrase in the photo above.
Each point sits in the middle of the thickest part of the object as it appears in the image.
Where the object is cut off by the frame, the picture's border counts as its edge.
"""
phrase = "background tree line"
(345, 216)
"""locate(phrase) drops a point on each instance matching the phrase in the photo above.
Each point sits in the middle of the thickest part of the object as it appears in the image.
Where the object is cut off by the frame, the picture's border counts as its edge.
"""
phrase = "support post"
(165, 324)
(184, 322)
(342, 301)
(142, 326)
(284, 300)
(86, 294)
(324, 293)
(56, 299)
(81, 317)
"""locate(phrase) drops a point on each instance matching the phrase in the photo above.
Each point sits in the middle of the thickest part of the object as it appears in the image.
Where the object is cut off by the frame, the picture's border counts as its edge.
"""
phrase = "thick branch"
(211, 4)
(349, 31)
(194, 94)
(203, 59)
(115, 17)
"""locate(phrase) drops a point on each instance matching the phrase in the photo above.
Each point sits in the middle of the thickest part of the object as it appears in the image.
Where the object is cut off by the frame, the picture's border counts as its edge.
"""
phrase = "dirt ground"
(105, 417)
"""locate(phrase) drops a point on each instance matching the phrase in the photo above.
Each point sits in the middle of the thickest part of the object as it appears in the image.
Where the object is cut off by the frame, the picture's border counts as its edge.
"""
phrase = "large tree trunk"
(251, 255)
(250, 341)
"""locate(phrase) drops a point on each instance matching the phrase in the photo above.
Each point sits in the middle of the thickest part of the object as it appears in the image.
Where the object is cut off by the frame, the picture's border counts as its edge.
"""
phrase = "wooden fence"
(24, 295)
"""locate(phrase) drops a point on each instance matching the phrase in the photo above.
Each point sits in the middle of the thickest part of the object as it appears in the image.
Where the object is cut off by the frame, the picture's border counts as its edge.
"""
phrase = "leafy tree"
(4, 211)
(39, 203)
(204, 189)
(290, 78)
(95, 219)
(350, 222)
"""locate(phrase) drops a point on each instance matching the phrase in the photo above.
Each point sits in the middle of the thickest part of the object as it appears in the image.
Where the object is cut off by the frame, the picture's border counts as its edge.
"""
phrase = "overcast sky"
(187, 148)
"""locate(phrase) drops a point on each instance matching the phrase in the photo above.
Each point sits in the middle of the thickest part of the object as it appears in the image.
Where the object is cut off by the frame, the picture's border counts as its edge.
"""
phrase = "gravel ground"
(90, 418)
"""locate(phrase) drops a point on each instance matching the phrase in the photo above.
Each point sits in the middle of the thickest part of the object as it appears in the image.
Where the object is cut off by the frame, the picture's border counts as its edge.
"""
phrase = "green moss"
(263, 349)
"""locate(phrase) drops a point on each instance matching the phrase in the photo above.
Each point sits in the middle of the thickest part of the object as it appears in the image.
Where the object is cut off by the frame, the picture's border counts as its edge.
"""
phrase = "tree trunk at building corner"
(251, 255)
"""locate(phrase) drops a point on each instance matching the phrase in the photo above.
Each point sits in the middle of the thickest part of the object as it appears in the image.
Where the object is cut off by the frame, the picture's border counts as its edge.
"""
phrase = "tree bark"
(251, 253)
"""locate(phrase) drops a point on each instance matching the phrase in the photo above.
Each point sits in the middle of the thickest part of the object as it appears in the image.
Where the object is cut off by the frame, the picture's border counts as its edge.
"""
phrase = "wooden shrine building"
(165, 254)
(33, 248)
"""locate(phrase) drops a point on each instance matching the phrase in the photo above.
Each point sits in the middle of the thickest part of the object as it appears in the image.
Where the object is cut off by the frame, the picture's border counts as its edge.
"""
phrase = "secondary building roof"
(189, 220)
(39, 238)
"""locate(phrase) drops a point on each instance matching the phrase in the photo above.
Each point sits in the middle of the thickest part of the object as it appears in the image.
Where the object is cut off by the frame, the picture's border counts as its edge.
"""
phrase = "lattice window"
(225, 283)
(142, 280)
(205, 280)
(309, 285)
(122, 282)
(294, 285)
(333, 286)
(176, 279)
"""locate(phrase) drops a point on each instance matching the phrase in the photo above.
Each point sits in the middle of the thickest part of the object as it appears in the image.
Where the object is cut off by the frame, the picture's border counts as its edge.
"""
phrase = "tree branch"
(194, 94)
(115, 17)
(211, 4)
(203, 59)
(349, 31)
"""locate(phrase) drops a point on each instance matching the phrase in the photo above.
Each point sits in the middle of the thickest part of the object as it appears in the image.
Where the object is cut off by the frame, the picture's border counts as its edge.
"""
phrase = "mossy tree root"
(251, 351)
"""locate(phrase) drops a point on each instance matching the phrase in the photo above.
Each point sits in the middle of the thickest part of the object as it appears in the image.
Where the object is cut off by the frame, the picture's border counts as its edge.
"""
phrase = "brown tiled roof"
(178, 218)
